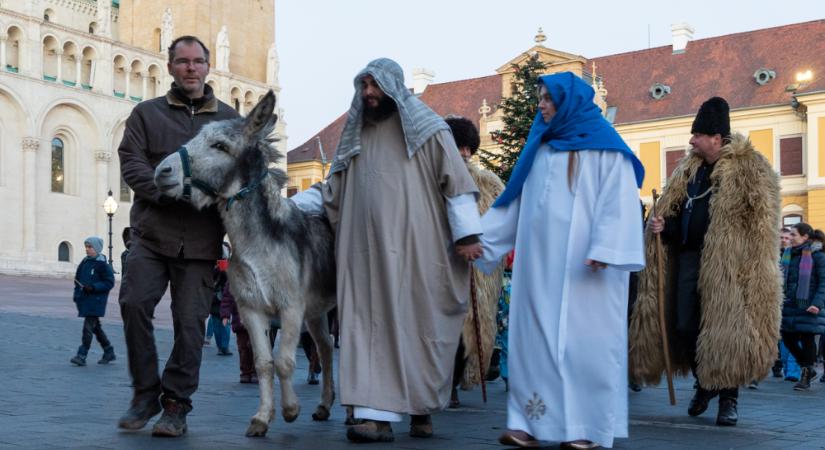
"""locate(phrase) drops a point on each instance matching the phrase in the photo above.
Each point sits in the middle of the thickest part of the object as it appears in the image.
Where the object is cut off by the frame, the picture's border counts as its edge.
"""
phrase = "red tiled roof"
(462, 98)
(722, 66)
(309, 150)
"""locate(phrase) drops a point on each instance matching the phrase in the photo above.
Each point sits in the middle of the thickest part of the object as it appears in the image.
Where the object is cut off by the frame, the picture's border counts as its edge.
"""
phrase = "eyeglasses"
(187, 62)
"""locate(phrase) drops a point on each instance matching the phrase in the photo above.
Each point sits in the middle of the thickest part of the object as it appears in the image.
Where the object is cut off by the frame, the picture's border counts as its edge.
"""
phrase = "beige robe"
(402, 290)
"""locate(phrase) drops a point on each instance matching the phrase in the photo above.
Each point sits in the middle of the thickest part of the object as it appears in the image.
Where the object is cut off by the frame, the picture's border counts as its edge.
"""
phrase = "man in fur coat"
(718, 218)
(488, 287)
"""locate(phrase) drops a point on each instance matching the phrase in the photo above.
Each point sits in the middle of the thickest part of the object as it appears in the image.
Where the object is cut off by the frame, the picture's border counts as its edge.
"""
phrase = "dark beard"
(386, 107)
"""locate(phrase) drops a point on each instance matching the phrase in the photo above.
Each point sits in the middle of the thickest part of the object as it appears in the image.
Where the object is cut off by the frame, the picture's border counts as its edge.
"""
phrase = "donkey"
(283, 263)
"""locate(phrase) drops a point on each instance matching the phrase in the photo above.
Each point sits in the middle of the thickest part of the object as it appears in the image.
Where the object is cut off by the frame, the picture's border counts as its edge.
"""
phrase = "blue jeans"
(221, 332)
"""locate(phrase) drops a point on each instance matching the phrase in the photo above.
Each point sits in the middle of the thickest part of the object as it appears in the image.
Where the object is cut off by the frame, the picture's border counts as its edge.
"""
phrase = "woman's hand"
(469, 252)
(813, 310)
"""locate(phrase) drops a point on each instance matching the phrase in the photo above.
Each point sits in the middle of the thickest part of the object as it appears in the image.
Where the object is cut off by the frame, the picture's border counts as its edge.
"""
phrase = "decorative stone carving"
(273, 65)
(222, 46)
(167, 30)
(485, 109)
(600, 99)
(104, 18)
(540, 37)
(103, 156)
(31, 144)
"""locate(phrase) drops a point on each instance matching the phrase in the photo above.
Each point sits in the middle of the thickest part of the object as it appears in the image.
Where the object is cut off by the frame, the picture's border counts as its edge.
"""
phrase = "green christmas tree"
(519, 110)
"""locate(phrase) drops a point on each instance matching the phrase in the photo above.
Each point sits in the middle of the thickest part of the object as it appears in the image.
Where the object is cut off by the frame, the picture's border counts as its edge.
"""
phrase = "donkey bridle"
(189, 182)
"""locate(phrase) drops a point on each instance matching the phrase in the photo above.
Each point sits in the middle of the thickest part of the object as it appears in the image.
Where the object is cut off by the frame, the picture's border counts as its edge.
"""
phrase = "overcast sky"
(322, 44)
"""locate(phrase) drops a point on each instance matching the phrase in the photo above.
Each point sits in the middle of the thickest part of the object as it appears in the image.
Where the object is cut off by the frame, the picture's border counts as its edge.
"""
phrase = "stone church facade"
(70, 73)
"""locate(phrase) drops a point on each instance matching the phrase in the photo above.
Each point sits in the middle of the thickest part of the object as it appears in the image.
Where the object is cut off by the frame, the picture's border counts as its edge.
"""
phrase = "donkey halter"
(189, 182)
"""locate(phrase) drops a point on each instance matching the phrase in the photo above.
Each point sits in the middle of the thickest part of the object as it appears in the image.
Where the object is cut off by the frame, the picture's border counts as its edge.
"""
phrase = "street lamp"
(110, 207)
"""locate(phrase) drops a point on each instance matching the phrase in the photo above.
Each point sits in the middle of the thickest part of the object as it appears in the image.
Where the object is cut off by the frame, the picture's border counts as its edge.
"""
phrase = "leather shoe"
(518, 438)
(421, 426)
(699, 402)
(727, 415)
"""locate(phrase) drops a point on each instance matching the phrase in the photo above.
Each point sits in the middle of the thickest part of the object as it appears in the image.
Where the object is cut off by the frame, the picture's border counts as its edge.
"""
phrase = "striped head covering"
(418, 121)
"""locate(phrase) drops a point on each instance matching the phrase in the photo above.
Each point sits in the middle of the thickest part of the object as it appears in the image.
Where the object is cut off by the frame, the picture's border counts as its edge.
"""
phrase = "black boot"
(80, 358)
(173, 421)
(108, 355)
(808, 373)
(699, 402)
(727, 415)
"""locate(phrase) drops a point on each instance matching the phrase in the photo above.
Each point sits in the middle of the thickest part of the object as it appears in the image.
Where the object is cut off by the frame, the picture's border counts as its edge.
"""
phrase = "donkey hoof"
(321, 413)
(256, 429)
(290, 414)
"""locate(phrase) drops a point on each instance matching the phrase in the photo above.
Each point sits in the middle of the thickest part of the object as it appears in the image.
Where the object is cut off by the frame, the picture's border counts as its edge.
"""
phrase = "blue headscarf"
(577, 125)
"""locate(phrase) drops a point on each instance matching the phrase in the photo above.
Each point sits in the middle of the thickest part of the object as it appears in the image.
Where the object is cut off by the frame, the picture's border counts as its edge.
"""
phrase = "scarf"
(577, 125)
(806, 265)
(418, 121)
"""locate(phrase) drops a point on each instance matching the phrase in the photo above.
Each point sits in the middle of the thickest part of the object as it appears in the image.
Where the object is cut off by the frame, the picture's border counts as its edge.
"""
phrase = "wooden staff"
(477, 328)
(660, 261)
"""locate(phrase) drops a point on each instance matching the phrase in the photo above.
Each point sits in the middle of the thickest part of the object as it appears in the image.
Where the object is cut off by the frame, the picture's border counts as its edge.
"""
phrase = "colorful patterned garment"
(502, 318)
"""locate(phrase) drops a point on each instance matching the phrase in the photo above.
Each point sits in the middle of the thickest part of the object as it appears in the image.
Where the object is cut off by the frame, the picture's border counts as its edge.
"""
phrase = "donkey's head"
(222, 159)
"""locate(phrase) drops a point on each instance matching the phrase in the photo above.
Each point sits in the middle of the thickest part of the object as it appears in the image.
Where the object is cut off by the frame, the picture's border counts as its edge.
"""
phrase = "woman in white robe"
(573, 218)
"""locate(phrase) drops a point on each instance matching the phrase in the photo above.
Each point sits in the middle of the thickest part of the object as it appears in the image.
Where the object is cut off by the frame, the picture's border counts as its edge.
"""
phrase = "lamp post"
(110, 207)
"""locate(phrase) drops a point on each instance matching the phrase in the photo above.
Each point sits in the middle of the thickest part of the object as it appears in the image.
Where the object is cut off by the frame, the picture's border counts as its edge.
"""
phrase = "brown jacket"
(155, 129)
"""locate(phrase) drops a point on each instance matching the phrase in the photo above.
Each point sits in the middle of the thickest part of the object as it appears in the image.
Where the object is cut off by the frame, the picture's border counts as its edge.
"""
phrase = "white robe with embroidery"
(568, 325)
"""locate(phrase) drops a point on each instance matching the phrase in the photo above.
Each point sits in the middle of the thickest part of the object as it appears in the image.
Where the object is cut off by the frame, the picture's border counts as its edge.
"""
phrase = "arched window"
(238, 105)
(58, 165)
(64, 252)
(791, 219)
(48, 15)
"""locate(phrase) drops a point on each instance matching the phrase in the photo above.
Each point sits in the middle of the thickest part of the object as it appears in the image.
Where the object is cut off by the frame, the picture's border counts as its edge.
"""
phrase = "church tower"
(249, 29)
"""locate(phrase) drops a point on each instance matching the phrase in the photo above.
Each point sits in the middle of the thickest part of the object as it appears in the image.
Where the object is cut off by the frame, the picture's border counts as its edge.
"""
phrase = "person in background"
(92, 282)
(803, 312)
(220, 280)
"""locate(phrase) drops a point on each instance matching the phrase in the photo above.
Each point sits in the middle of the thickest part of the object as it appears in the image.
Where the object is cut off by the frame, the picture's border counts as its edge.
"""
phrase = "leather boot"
(727, 415)
(108, 355)
(173, 421)
(808, 373)
(699, 402)
(138, 414)
(80, 358)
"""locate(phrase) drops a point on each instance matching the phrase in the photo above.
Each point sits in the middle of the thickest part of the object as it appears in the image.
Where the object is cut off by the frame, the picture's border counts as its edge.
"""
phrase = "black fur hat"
(713, 118)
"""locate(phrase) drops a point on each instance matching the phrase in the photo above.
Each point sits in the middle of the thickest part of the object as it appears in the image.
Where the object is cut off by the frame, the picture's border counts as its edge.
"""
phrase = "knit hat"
(95, 242)
(713, 118)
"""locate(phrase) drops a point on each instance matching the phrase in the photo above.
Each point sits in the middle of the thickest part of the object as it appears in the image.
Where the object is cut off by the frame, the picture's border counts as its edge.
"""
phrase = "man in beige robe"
(402, 206)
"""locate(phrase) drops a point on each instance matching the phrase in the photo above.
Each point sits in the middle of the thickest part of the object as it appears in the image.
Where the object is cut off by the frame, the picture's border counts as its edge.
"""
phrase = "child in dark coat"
(92, 283)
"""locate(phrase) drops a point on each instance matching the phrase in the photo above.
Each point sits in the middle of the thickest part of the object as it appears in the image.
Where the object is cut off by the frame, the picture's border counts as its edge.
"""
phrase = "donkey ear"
(261, 120)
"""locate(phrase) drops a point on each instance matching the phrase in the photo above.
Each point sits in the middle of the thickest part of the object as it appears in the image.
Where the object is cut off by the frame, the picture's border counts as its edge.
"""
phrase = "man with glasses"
(173, 244)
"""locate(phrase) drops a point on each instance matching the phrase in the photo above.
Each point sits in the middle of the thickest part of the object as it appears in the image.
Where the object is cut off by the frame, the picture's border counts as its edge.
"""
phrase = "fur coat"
(488, 288)
(739, 277)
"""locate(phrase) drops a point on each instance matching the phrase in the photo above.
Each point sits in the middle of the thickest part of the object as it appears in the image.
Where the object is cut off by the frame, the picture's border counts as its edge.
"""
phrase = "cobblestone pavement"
(48, 403)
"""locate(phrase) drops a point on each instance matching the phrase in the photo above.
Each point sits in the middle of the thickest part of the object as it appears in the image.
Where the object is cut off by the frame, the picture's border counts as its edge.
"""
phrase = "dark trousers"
(460, 363)
(245, 356)
(190, 282)
(689, 310)
(91, 326)
(801, 346)
(311, 352)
